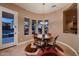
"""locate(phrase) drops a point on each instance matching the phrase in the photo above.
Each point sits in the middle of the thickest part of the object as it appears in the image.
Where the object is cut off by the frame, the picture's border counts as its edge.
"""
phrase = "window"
(45, 26)
(33, 26)
(26, 26)
(40, 26)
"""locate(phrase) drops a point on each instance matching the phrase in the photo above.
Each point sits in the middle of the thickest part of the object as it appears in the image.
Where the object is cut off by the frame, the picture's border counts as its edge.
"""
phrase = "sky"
(7, 20)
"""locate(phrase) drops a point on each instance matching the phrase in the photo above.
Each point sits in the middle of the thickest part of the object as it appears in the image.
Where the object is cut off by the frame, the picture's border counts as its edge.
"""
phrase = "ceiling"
(41, 8)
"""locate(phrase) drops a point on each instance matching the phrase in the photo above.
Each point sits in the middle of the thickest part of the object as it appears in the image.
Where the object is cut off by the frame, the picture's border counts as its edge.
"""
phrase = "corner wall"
(21, 14)
(56, 28)
(55, 24)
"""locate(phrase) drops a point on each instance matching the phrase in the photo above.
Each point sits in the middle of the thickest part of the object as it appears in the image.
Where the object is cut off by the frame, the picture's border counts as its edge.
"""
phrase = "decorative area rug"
(57, 51)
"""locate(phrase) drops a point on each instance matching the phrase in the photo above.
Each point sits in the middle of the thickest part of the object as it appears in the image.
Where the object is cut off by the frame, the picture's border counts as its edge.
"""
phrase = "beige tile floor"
(19, 51)
(14, 51)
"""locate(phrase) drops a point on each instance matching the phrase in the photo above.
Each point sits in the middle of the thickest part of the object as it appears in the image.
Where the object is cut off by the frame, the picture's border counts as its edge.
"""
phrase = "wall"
(56, 28)
(21, 14)
(55, 24)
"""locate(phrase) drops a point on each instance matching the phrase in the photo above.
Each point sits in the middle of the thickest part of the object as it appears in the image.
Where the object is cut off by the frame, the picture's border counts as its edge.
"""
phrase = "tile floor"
(14, 51)
(19, 51)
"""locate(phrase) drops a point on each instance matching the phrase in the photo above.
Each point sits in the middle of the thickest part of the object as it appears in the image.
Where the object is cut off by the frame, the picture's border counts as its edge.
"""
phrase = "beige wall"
(55, 24)
(56, 28)
(21, 14)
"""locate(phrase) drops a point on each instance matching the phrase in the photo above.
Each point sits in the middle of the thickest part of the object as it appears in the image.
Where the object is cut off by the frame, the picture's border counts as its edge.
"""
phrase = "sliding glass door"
(7, 28)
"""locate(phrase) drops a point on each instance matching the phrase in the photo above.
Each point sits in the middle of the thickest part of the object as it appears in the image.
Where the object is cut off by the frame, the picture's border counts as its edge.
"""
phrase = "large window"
(26, 26)
(33, 26)
(40, 26)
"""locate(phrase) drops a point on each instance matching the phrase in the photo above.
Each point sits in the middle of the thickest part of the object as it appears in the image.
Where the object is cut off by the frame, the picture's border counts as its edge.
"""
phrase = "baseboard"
(16, 44)
(7, 47)
(24, 42)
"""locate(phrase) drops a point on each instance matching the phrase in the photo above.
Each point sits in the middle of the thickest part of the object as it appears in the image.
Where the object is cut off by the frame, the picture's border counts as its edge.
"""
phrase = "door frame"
(15, 27)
